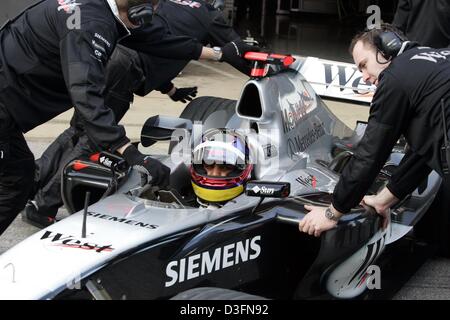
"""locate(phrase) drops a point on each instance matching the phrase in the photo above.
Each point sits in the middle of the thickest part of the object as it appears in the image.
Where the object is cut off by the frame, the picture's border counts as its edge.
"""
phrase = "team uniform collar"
(115, 10)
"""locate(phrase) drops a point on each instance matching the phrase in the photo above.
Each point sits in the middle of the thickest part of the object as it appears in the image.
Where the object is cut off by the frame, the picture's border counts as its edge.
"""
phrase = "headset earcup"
(389, 44)
(379, 46)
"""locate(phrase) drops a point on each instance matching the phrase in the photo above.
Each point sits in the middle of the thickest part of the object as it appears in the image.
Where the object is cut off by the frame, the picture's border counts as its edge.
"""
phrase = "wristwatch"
(330, 215)
(217, 53)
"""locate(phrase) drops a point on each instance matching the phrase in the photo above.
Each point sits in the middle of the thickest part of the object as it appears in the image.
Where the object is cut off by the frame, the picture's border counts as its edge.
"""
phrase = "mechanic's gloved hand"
(184, 94)
(157, 174)
(233, 53)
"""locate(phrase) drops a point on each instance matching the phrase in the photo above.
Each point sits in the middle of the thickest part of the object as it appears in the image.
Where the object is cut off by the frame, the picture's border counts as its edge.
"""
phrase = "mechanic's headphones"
(141, 14)
(389, 44)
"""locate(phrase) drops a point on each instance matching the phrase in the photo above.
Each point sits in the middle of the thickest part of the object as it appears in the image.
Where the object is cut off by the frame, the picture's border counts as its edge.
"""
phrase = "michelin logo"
(203, 263)
(263, 190)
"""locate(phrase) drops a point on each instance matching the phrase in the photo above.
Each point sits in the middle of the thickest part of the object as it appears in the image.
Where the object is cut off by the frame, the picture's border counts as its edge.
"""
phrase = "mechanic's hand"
(379, 206)
(184, 94)
(315, 222)
(233, 53)
(156, 173)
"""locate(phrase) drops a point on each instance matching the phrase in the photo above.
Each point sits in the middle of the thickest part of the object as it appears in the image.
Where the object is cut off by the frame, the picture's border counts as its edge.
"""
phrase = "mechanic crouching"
(412, 98)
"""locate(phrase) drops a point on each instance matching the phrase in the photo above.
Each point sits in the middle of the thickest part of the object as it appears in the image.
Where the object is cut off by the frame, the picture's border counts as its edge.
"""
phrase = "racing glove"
(184, 94)
(233, 53)
(153, 170)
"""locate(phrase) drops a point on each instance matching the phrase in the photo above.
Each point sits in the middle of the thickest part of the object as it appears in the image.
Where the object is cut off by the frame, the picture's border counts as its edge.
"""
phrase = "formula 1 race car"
(126, 240)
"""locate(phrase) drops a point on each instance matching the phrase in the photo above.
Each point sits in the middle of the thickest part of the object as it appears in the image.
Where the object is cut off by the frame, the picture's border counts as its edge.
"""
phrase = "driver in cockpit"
(221, 165)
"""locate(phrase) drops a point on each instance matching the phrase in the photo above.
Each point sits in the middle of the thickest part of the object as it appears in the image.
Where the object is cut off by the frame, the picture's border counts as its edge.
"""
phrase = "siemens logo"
(100, 37)
(203, 263)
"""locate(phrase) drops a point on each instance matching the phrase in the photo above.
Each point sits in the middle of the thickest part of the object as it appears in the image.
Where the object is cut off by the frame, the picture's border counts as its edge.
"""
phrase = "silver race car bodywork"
(142, 243)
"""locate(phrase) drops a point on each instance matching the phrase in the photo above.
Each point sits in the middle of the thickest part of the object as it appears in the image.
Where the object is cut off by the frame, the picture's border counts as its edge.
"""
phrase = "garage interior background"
(320, 28)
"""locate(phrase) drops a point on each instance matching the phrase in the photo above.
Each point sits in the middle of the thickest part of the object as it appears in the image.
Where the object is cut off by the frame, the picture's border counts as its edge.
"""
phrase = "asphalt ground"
(430, 281)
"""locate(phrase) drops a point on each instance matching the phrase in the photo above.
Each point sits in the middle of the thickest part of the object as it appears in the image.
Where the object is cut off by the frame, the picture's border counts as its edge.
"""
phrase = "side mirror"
(265, 189)
(160, 128)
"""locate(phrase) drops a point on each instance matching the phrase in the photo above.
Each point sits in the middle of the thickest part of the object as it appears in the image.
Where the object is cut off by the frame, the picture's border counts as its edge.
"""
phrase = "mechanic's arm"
(388, 112)
(186, 48)
(412, 170)
(222, 35)
(157, 41)
(83, 60)
(232, 53)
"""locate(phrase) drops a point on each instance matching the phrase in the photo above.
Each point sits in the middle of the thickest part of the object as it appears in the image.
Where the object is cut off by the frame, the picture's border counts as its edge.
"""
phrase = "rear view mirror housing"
(161, 128)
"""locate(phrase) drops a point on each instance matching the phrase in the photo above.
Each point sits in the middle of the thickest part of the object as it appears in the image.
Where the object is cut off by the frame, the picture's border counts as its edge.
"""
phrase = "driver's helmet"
(221, 165)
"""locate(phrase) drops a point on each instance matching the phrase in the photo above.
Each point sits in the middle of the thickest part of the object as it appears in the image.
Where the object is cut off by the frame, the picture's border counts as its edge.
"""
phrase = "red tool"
(262, 60)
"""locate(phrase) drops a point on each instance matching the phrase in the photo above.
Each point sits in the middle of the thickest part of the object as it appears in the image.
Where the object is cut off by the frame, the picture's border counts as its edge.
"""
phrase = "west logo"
(58, 239)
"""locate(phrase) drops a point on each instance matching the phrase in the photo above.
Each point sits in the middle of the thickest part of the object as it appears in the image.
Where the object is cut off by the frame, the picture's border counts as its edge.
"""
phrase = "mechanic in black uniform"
(49, 62)
(413, 91)
(427, 22)
(128, 72)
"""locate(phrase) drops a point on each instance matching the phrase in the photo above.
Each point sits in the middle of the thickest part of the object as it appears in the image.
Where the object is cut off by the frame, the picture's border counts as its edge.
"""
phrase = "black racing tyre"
(201, 108)
(211, 293)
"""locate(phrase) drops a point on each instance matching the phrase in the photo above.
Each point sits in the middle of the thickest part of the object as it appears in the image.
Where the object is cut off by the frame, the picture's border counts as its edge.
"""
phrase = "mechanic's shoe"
(31, 216)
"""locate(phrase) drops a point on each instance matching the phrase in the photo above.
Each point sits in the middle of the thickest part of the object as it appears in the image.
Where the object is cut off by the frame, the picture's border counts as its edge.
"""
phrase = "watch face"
(329, 214)
(217, 52)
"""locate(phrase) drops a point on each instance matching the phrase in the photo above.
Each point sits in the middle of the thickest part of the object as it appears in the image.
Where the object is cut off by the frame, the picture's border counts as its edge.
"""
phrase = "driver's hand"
(233, 53)
(156, 173)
